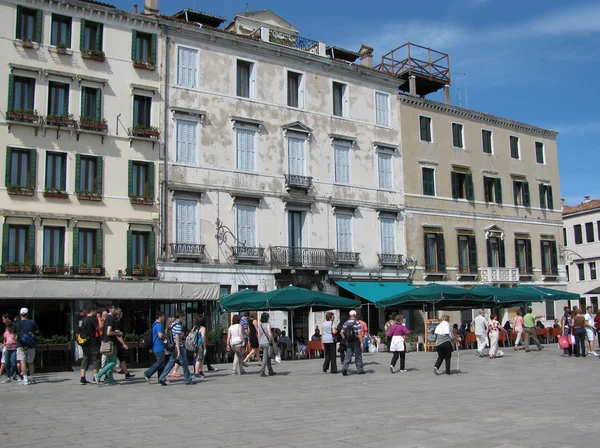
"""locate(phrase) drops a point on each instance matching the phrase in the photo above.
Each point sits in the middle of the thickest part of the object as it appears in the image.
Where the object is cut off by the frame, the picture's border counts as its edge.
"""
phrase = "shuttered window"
(88, 174)
(91, 104)
(523, 258)
(457, 135)
(342, 162)
(246, 225)
(384, 168)
(486, 139)
(435, 252)
(186, 221)
(425, 129)
(244, 139)
(539, 153)
(546, 199)
(142, 108)
(29, 24)
(549, 257)
(246, 79)
(428, 181)
(187, 67)
(467, 254)
(58, 100)
(21, 94)
(20, 168)
(91, 36)
(296, 156)
(344, 232)
(54, 245)
(143, 47)
(340, 99)
(388, 235)
(18, 244)
(56, 171)
(514, 147)
(382, 109)
(60, 34)
(187, 140)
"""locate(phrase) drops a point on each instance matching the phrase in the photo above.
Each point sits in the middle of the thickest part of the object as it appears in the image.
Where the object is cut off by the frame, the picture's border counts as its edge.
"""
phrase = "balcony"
(297, 181)
(243, 253)
(525, 272)
(302, 257)
(187, 251)
(549, 273)
(499, 275)
(293, 41)
(347, 258)
(435, 270)
(394, 260)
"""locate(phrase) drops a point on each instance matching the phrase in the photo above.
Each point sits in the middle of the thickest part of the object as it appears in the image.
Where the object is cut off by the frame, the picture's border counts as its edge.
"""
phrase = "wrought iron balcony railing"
(244, 253)
(391, 260)
(351, 258)
(290, 40)
(297, 181)
(307, 257)
(187, 251)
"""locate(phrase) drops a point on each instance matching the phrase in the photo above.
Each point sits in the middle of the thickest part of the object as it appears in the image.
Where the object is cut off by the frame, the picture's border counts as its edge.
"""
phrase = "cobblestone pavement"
(536, 399)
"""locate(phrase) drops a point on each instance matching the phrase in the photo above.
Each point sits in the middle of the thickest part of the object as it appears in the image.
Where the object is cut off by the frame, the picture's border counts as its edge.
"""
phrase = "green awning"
(375, 291)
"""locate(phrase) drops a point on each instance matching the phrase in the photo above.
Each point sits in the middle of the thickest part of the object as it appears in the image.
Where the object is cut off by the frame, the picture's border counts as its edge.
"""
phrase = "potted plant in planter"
(18, 190)
(146, 65)
(140, 200)
(96, 269)
(93, 124)
(55, 193)
(139, 130)
(12, 267)
(132, 340)
(95, 55)
(60, 120)
(149, 271)
(31, 116)
(137, 270)
(62, 268)
(83, 269)
(14, 114)
(49, 269)
(61, 48)
(88, 196)
(26, 267)
(26, 42)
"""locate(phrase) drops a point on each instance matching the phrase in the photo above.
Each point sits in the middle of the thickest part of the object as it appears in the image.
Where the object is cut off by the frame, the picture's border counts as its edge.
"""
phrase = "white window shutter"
(245, 149)
(301, 92)
(185, 217)
(304, 218)
(186, 142)
(342, 163)
(384, 161)
(388, 236)
(344, 232)
(192, 70)
(182, 67)
(296, 156)
(241, 225)
(251, 227)
(382, 109)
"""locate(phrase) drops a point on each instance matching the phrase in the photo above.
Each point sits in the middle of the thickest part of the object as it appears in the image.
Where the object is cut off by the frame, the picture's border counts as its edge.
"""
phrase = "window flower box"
(56, 194)
(24, 116)
(87, 196)
(149, 271)
(18, 268)
(64, 121)
(137, 272)
(141, 201)
(93, 125)
(16, 190)
(12, 269)
(144, 65)
(62, 269)
(49, 269)
(96, 270)
(26, 43)
(94, 55)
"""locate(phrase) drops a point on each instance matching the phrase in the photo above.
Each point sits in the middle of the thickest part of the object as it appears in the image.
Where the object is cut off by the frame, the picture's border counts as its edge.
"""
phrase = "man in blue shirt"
(178, 354)
(158, 347)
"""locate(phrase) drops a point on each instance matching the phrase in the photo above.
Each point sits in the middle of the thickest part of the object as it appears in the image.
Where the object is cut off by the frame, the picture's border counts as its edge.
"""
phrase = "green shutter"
(542, 189)
(32, 167)
(11, 92)
(153, 49)
(544, 267)
(68, 37)
(526, 196)
(550, 197)
(98, 104)
(553, 258)
(63, 173)
(501, 253)
(5, 228)
(82, 114)
(498, 190)
(99, 176)
(82, 35)
(99, 34)
(99, 246)
(454, 185)
(152, 249)
(129, 251)
(133, 42)
(515, 193)
(485, 188)
(75, 247)
(61, 247)
(39, 16)
(488, 245)
(31, 244)
(77, 173)
(469, 187)
(529, 256)
(19, 14)
(7, 167)
(472, 254)
(441, 252)
(65, 110)
(130, 177)
(151, 180)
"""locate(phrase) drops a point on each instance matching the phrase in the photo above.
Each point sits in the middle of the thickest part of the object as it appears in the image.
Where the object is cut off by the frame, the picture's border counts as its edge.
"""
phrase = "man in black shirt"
(25, 353)
(91, 347)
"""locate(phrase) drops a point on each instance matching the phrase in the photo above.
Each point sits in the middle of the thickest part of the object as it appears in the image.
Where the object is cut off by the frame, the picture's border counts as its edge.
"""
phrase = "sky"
(536, 61)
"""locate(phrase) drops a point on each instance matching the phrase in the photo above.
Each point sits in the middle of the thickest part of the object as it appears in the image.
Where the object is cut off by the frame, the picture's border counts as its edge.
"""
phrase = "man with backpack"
(153, 339)
(89, 339)
(353, 335)
(26, 329)
(177, 349)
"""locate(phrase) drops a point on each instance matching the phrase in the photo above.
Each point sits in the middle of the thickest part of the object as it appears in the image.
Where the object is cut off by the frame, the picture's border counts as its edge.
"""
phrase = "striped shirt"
(244, 324)
(176, 330)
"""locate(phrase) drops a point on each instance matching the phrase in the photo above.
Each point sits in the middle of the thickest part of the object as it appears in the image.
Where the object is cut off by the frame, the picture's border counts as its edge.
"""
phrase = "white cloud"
(578, 129)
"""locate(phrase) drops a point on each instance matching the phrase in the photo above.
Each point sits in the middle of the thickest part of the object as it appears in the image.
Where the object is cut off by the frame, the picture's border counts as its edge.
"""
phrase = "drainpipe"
(165, 188)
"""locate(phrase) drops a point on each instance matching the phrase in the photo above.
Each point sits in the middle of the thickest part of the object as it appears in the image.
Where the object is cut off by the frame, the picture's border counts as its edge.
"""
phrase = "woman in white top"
(235, 342)
(328, 337)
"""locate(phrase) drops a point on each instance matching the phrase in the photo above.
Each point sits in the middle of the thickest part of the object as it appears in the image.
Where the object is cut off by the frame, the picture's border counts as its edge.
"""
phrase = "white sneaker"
(24, 382)
(8, 380)
(593, 353)
(392, 369)
(436, 371)
(403, 371)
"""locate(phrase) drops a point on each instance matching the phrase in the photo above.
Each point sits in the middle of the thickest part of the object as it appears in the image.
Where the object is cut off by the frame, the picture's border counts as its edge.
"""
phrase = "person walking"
(121, 347)
(342, 342)
(529, 323)
(386, 329)
(9, 356)
(443, 344)
(494, 329)
(109, 335)
(590, 331)
(266, 339)
(579, 327)
(91, 346)
(253, 340)
(235, 343)
(481, 332)
(353, 335)
(158, 347)
(397, 334)
(178, 354)
(200, 325)
(329, 338)
(518, 327)
(24, 329)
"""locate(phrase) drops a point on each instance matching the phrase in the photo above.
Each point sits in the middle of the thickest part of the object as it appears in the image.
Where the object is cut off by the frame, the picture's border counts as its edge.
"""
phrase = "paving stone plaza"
(536, 399)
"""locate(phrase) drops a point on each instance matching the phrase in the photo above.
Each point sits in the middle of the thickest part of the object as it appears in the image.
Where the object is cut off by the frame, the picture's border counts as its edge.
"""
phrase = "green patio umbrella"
(504, 297)
(439, 295)
(292, 297)
(546, 294)
(247, 299)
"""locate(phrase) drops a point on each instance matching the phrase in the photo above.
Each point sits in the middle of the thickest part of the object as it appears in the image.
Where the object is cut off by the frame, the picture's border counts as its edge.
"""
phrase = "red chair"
(313, 348)
(502, 338)
(469, 339)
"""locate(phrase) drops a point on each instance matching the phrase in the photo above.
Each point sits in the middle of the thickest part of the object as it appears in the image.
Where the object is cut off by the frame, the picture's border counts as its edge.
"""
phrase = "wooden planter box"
(89, 197)
(12, 269)
(49, 270)
(137, 272)
(93, 57)
(93, 126)
(141, 201)
(66, 122)
(26, 44)
(21, 116)
(147, 133)
(144, 65)
(95, 271)
(63, 271)
(61, 50)
(150, 272)
(83, 271)
(56, 195)
(20, 191)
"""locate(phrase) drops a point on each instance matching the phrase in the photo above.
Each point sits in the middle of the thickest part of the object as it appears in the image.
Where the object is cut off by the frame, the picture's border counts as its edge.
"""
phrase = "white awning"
(70, 289)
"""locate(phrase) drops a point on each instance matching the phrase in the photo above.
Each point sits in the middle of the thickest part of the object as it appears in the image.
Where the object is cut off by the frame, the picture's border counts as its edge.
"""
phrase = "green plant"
(381, 335)
(137, 266)
(60, 264)
(49, 265)
(13, 263)
(83, 266)
(131, 337)
(53, 190)
(26, 39)
(61, 45)
(28, 263)
(94, 52)
(53, 340)
(97, 265)
(31, 112)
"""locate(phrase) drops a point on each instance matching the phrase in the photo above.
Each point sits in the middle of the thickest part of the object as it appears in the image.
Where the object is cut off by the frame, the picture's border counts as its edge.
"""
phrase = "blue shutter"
(382, 109)
(344, 232)
(385, 170)
(186, 142)
(245, 149)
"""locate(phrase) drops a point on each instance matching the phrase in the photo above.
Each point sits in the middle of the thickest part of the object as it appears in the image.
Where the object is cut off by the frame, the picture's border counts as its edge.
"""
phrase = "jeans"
(444, 352)
(10, 359)
(266, 361)
(111, 360)
(579, 333)
(353, 348)
(187, 377)
(158, 366)
(330, 357)
(402, 356)
(530, 332)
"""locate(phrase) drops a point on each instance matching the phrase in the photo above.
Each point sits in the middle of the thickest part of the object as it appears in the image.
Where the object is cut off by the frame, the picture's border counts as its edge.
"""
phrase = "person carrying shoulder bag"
(266, 341)
(235, 342)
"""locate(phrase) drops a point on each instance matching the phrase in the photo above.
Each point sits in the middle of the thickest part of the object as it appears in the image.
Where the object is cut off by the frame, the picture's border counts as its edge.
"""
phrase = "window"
(467, 254)
(382, 109)
(486, 139)
(21, 93)
(342, 162)
(60, 35)
(187, 142)
(246, 225)
(21, 168)
(91, 36)
(539, 152)
(457, 135)
(245, 149)
(18, 244)
(546, 199)
(578, 234)
(549, 257)
(91, 104)
(58, 100)
(185, 221)
(141, 179)
(495, 252)
(581, 268)
(54, 245)
(521, 193)
(594, 301)
(142, 107)
(187, 67)
(56, 171)
(523, 257)
(295, 90)
(565, 237)
(296, 158)
(589, 232)
(29, 24)
(428, 181)
(141, 249)
(568, 273)
(550, 313)
(462, 186)
(143, 47)
(435, 256)
(514, 147)
(246, 79)
(340, 99)
(87, 247)
(592, 270)
(492, 189)
(384, 168)
(344, 232)
(88, 174)
(425, 129)
(297, 232)
(388, 235)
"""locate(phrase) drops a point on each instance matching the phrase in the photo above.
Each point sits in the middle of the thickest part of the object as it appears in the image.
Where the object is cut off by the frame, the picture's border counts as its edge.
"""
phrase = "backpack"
(350, 332)
(170, 341)
(28, 340)
(147, 338)
(191, 341)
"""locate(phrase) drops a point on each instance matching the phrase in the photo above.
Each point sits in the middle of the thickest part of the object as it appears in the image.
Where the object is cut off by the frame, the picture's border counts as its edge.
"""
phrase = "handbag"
(271, 351)
(106, 348)
(563, 342)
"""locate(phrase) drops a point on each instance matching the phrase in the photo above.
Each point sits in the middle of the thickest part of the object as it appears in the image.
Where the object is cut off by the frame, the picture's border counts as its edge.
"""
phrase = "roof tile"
(583, 207)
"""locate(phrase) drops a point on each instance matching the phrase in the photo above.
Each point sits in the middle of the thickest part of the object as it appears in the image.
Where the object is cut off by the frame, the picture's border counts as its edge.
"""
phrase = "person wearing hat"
(353, 335)
(25, 353)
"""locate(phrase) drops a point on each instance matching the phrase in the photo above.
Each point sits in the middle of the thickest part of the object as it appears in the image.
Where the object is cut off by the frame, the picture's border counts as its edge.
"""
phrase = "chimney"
(366, 56)
(135, 8)
(150, 6)
(586, 199)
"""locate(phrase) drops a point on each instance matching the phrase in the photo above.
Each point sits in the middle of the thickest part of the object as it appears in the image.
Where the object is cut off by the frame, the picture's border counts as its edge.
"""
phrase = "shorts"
(25, 354)
(91, 356)
(120, 352)
(590, 334)
(200, 353)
